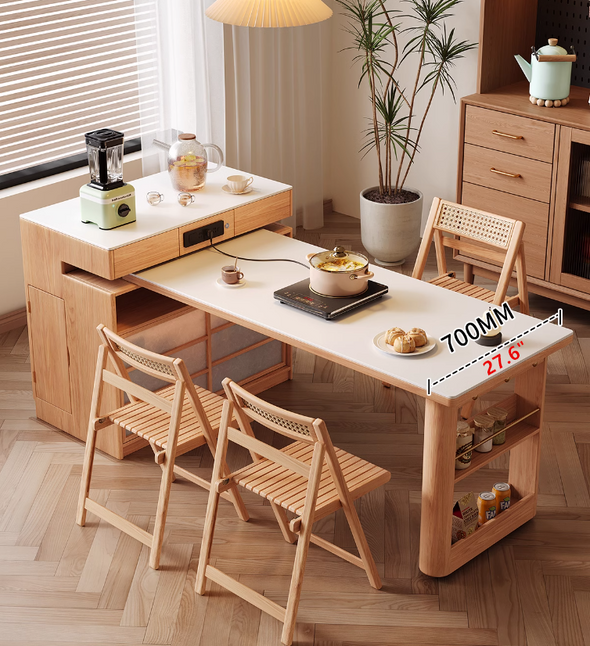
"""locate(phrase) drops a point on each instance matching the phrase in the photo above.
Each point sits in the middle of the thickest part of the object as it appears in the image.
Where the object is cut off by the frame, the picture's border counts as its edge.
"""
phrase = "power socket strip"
(201, 234)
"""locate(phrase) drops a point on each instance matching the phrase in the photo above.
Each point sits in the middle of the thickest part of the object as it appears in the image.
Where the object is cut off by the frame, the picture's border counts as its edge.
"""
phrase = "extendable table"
(446, 380)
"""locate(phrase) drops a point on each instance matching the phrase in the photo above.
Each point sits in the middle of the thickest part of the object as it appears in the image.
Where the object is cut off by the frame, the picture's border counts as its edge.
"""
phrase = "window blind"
(71, 66)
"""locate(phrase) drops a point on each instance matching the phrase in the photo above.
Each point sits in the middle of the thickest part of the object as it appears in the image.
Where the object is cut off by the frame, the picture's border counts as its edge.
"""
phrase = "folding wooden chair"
(478, 233)
(309, 477)
(174, 420)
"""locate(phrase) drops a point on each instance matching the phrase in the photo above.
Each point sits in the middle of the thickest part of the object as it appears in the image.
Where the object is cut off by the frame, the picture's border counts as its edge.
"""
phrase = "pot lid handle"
(339, 252)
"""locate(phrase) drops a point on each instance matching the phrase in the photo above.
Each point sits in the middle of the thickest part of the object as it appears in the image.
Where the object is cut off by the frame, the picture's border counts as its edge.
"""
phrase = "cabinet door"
(570, 249)
(49, 349)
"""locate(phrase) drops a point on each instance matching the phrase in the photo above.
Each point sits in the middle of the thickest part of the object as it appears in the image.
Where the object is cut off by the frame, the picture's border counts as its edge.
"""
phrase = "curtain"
(190, 78)
(275, 109)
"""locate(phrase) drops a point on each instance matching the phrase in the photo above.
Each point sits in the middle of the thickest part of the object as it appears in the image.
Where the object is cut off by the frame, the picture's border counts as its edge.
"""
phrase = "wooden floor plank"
(174, 566)
(564, 615)
(535, 608)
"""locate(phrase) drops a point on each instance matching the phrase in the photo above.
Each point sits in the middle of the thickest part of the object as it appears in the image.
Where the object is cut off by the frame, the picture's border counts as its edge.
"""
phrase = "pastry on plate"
(404, 344)
(420, 337)
(391, 335)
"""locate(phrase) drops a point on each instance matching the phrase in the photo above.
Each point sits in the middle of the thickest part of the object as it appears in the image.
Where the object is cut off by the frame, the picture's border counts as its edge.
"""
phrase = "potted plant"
(391, 213)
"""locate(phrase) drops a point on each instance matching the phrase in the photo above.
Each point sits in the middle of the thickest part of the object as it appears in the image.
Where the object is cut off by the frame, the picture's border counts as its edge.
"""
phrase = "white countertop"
(409, 303)
(152, 220)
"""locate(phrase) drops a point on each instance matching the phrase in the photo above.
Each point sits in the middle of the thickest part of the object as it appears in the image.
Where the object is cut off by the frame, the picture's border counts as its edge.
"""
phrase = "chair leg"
(303, 545)
(360, 541)
(236, 497)
(207, 542)
(86, 475)
(91, 436)
(283, 522)
(160, 524)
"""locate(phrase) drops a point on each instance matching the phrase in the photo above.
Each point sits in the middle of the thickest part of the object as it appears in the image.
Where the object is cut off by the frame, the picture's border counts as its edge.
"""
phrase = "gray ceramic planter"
(390, 232)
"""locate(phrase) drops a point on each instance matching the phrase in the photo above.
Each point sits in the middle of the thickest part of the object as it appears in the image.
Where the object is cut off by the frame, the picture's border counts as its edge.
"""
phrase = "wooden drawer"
(256, 215)
(228, 231)
(146, 253)
(534, 214)
(533, 178)
(510, 134)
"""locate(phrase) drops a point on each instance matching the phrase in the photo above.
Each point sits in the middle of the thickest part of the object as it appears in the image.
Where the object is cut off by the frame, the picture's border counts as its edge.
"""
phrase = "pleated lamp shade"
(268, 13)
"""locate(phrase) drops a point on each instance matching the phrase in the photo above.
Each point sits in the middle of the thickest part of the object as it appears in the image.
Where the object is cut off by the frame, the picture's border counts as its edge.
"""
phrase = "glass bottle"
(499, 416)
(464, 442)
(484, 426)
(187, 163)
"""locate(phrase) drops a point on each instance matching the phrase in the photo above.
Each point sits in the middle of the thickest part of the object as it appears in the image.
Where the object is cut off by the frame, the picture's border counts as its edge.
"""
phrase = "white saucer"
(379, 342)
(227, 189)
(240, 283)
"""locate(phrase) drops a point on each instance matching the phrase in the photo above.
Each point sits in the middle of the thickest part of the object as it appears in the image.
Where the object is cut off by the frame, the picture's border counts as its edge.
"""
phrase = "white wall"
(435, 169)
(29, 197)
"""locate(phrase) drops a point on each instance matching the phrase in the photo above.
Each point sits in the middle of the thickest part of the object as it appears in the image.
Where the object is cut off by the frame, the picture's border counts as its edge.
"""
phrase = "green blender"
(106, 201)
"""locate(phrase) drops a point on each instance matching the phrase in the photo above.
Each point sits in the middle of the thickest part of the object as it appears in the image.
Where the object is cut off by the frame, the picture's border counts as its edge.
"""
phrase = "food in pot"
(391, 335)
(404, 344)
(419, 336)
(341, 264)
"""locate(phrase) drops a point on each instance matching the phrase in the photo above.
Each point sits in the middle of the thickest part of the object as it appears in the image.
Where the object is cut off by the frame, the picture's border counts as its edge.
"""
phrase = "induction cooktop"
(301, 296)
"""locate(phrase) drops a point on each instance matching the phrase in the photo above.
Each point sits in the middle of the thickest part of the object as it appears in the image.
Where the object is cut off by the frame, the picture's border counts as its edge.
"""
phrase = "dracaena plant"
(396, 123)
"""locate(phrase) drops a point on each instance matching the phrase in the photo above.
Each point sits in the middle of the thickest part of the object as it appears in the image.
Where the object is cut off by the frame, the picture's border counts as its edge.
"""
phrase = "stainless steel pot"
(338, 272)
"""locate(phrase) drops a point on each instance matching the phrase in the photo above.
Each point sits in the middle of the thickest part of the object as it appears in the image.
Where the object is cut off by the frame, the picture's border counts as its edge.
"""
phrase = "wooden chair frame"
(247, 407)
(172, 371)
(475, 232)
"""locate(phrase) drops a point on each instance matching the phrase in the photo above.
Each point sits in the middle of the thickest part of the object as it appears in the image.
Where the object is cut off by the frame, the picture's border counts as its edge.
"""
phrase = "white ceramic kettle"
(549, 74)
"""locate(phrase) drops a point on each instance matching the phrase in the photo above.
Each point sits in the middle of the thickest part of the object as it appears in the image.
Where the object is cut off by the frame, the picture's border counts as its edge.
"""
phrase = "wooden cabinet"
(527, 162)
(74, 282)
(49, 352)
(570, 256)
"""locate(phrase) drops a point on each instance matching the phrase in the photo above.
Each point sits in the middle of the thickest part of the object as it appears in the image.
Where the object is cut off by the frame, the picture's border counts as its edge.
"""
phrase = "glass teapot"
(187, 163)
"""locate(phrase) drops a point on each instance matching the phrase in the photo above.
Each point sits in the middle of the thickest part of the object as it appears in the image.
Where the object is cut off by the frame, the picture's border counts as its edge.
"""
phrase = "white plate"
(227, 189)
(379, 342)
(222, 283)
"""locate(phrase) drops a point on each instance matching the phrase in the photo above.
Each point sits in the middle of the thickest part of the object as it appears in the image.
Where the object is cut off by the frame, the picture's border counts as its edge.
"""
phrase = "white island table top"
(153, 220)
(349, 339)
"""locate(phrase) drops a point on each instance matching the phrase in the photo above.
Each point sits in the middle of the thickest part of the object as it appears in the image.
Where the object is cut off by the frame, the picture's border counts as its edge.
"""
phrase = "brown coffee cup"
(231, 275)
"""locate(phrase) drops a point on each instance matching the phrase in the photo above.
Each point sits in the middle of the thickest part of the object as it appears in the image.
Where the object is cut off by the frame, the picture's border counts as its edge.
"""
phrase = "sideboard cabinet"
(527, 162)
(75, 279)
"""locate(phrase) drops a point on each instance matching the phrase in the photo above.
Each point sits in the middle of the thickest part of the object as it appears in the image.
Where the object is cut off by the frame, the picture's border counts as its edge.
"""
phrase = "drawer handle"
(505, 134)
(501, 172)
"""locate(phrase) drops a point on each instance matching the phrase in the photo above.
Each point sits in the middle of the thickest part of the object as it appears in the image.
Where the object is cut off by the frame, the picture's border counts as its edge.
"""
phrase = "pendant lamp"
(268, 13)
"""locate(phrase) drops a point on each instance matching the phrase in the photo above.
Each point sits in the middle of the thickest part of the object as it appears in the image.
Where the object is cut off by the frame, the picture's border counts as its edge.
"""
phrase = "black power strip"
(204, 233)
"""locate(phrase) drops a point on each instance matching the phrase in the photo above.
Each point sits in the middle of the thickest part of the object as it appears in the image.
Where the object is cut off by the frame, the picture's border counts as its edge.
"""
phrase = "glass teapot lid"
(339, 260)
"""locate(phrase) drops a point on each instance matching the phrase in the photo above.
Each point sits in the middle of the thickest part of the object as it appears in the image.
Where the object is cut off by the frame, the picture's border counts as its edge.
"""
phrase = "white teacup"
(239, 183)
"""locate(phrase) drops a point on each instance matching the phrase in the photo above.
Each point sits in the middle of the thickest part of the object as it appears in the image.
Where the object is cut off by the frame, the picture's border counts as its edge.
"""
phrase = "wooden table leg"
(437, 558)
(438, 481)
(525, 458)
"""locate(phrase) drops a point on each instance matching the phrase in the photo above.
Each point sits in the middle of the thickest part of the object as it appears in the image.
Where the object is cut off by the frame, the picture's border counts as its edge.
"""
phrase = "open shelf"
(515, 435)
(519, 512)
(516, 432)
(580, 203)
(142, 308)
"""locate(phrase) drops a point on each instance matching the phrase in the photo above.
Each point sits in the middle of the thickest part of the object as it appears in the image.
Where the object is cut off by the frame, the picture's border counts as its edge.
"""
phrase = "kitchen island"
(74, 281)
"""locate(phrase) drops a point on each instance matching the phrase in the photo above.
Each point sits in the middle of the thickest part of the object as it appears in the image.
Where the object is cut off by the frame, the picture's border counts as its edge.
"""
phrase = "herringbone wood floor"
(60, 583)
